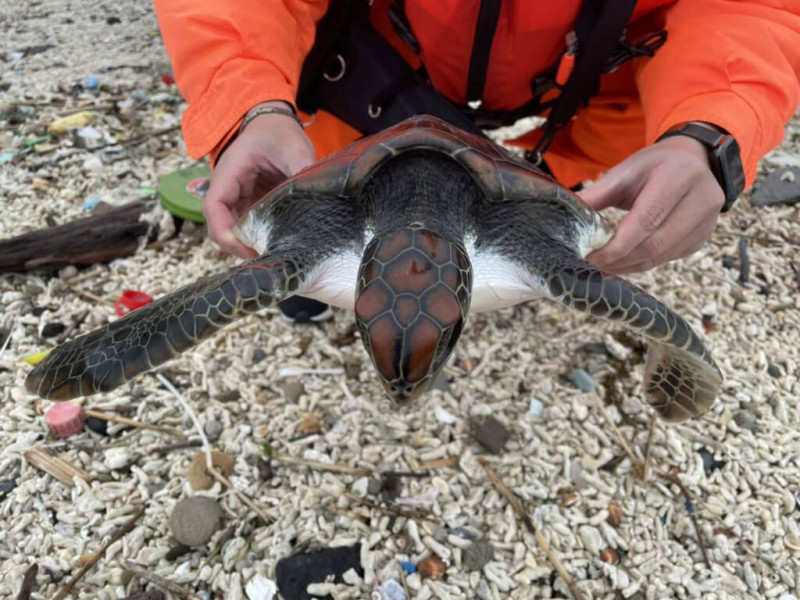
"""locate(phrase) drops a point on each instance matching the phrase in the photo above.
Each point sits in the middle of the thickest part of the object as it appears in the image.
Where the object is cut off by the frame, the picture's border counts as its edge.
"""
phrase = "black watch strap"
(724, 157)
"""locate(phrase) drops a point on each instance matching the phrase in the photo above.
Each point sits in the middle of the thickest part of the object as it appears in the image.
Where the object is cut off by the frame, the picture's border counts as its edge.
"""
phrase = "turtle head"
(412, 299)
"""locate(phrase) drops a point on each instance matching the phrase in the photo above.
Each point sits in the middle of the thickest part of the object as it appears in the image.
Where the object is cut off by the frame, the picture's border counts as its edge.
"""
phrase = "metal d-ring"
(374, 112)
(342, 69)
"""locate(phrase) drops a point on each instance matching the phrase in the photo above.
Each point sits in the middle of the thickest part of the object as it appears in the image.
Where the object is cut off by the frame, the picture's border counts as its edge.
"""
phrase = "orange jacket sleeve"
(229, 55)
(733, 63)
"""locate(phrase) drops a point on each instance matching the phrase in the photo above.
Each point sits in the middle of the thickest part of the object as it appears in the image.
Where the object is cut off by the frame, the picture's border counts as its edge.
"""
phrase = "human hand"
(270, 149)
(674, 202)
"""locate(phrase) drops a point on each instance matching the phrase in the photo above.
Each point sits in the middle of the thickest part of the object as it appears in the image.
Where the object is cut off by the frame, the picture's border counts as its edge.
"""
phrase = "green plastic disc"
(182, 192)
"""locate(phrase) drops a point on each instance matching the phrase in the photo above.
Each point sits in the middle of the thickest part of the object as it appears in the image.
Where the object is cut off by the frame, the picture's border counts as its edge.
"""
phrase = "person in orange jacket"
(727, 66)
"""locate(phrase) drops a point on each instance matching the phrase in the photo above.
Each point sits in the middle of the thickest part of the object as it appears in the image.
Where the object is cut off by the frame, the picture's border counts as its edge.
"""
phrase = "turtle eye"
(411, 303)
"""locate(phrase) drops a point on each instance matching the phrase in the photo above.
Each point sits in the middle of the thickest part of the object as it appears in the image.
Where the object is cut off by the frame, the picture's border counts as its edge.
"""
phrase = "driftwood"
(99, 238)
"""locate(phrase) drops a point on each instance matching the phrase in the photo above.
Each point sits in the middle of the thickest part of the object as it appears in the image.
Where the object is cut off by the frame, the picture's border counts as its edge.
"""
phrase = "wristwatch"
(724, 156)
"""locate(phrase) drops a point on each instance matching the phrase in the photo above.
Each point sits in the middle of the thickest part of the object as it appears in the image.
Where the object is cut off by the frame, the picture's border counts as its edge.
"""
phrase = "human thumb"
(610, 189)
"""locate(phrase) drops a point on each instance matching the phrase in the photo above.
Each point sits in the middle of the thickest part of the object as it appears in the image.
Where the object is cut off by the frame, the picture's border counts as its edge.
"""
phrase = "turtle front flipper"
(681, 379)
(104, 359)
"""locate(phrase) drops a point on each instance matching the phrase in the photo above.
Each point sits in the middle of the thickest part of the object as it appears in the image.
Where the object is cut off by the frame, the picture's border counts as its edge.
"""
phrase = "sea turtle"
(412, 229)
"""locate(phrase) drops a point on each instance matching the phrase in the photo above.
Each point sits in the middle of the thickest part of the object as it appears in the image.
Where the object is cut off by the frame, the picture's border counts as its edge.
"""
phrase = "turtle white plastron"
(412, 229)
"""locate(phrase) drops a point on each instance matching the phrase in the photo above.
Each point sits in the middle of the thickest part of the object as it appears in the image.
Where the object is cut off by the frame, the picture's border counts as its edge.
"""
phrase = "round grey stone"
(194, 520)
(476, 555)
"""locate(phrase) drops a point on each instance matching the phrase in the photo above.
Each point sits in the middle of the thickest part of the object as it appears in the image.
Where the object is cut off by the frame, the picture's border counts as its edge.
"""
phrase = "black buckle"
(646, 46)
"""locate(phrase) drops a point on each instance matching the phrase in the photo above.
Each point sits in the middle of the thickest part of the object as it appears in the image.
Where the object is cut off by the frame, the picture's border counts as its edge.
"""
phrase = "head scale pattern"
(412, 299)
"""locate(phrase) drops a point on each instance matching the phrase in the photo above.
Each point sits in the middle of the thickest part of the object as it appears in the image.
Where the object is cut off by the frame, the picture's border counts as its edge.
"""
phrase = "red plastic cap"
(65, 419)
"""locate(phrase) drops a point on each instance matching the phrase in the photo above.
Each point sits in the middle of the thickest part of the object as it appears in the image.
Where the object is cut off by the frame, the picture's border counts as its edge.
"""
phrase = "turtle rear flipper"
(681, 379)
(106, 358)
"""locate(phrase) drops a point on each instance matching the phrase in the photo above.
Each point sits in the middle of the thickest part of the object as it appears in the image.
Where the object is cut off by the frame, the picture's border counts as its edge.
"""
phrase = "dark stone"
(149, 595)
(774, 370)
(113, 20)
(53, 329)
(265, 472)
(258, 355)
(778, 188)
(491, 434)
(595, 348)
(729, 262)
(97, 425)
(746, 420)
(374, 486)
(294, 573)
(176, 552)
(391, 486)
(710, 464)
(229, 396)
(476, 555)
(7, 486)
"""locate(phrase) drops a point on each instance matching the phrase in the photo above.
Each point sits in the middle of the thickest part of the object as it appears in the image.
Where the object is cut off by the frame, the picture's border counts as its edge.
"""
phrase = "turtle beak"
(412, 300)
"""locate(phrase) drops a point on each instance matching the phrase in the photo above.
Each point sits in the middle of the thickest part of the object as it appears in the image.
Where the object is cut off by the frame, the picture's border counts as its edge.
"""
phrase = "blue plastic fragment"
(583, 381)
(536, 408)
(93, 201)
(663, 519)
(689, 507)
(408, 567)
(92, 82)
(6, 156)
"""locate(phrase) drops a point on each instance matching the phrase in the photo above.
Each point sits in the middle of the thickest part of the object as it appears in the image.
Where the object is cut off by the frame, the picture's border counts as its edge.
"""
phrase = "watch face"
(732, 171)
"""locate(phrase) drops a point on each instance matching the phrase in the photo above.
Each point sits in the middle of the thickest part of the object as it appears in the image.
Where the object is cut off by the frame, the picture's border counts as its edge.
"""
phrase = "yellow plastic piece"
(62, 125)
(35, 359)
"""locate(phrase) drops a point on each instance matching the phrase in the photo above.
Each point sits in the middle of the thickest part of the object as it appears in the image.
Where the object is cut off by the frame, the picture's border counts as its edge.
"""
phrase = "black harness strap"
(599, 27)
(485, 28)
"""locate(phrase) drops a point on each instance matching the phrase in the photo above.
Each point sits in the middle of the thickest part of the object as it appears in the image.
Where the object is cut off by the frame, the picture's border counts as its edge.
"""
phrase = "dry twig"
(133, 423)
(674, 479)
(526, 520)
(158, 581)
(285, 458)
(98, 555)
(391, 511)
(27, 582)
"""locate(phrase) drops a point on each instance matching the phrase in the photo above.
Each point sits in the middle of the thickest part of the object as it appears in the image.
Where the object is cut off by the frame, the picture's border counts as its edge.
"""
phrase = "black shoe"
(298, 309)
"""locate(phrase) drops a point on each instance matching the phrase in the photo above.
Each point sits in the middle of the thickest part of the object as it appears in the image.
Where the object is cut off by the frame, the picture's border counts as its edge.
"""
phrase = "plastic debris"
(295, 573)
(35, 359)
(65, 419)
(583, 381)
(93, 201)
(6, 156)
(92, 82)
(260, 588)
(198, 476)
(131, 300)
(391, 590)
(73, 121)
(408, 567)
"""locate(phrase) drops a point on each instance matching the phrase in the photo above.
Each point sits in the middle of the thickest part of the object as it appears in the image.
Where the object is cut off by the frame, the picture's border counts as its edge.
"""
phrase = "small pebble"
(352, 368)
(710, 464)
(97, 425)
(374, 486)
(293, 390)
(229, 396)
(774, 370)
(53, 329)
(536, 408)
(7, 486)
(609, 555)
(176, 552)
(491, 434)
(746, 420)
(265, 472)
(195, 519)
(583, 381)
(595, 348)
(213, 429)
(476, 555)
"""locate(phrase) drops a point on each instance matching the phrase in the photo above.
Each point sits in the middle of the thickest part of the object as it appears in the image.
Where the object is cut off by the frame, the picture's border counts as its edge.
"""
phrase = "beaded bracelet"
(264, 110)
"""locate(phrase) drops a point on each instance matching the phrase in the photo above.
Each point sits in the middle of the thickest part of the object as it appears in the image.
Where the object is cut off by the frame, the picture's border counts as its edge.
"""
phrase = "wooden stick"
(97, 556)
(320, 465)
(440, 463)
(132, 423)
(674, 479)
(390, 511)
(526, 520)
(57, 467)
(158, 581)
(28, 582)
(621, 438)
(242, 496)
